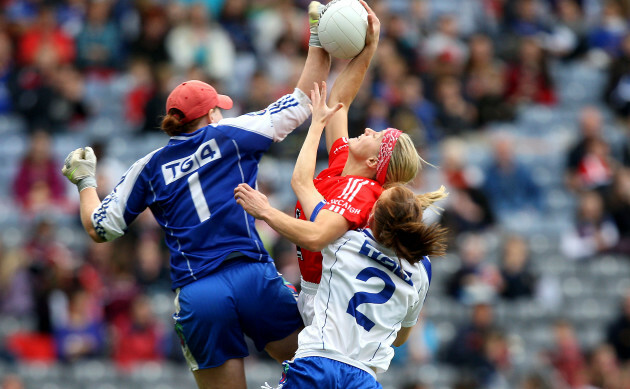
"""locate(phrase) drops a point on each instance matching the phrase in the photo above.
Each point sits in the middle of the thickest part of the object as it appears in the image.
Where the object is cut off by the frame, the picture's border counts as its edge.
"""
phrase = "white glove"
(80, 168)
(315, 9)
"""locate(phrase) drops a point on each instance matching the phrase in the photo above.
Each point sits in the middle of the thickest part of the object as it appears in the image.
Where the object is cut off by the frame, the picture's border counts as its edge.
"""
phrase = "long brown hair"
(172, 125)
(397, 223)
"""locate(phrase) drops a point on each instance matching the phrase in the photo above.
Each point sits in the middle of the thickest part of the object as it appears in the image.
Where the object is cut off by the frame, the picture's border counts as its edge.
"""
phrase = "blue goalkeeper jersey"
(189, 186)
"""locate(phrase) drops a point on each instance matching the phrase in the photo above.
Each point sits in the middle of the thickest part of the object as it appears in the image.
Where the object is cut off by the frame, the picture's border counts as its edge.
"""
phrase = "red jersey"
(350, 196)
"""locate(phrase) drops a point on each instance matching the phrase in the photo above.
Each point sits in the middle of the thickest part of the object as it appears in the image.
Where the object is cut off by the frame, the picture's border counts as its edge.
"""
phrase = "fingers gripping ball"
(342, 28)
(80, 168)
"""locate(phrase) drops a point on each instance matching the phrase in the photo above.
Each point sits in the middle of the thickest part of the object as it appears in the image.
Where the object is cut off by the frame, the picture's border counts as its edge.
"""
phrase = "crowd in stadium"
(522, 106)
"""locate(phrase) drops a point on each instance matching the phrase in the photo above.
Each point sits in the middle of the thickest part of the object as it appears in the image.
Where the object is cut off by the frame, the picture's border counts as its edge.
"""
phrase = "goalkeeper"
(226, 285)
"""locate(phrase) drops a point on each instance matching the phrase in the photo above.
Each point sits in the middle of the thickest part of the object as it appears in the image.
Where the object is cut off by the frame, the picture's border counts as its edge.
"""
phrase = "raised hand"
(80, 168)
(321, 112)
(374, 26)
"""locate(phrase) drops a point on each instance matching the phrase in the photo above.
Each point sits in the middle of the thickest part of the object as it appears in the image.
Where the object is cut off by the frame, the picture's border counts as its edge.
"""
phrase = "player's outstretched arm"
(80, 168)
(317, 64)
(347, 84)
(304, 171)
(313, 236)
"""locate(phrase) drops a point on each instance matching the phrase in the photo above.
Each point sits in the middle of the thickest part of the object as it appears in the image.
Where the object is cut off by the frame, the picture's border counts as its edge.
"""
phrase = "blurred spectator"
(412, 98)
(456, 172)
(606, 37)
(588, 161)
(151, 270)
(474, 277)
(150, 44)
(518, 282)
(140, 338)
(508, 184)
(479, 346)
(618, 330)
(37, 186)
(280, 64)
(444, 50)
(6, 74)
(378, 115)
(617, 92)
(484, 82)
(12, 381)
(71, 16)
(391, 70)
(235, 21)
(16, 293)
(45, 256)
(140, 88)
(468, 209)
(44, 41)
(528, 78)
(278, 18)
(603, 368)
(198, 42)
(80, 334)
(471, 16)
(527, 20)
(456, 116)
(154, 107)
(594, 230)
(619, 206)
(566, 356)
(99, 44)
(261, 93)
(397, 30)
(121, 288)
(567, 39)
(50, 96)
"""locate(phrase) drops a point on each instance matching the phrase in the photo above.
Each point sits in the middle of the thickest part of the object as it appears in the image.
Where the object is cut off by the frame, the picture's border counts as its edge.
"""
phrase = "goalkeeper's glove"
(314, 12)
(80, 168)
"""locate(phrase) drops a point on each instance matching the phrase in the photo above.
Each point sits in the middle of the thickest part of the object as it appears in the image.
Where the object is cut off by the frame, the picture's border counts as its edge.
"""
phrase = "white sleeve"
(123, 204)
(278, 119)
(414, 310)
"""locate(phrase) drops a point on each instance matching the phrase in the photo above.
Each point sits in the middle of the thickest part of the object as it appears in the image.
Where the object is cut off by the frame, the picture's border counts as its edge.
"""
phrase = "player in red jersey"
(357, 170)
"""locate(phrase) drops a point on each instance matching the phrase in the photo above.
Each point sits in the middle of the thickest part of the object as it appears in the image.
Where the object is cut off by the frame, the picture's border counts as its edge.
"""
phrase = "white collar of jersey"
(189, 135)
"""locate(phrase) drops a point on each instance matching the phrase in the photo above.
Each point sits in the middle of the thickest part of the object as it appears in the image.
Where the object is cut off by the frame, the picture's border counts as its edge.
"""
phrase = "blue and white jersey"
(189, 186)
(365, 296)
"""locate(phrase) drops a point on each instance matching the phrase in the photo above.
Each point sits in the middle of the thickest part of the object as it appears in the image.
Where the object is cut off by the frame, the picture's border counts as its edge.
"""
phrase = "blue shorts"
(319, 372)
(242, 298)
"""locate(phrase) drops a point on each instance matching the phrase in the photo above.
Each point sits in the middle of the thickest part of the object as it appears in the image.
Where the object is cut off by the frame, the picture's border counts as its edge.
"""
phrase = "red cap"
(196, 98)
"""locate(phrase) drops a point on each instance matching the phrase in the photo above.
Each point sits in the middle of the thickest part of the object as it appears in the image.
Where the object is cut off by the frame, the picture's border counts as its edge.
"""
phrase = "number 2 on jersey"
(370, 298)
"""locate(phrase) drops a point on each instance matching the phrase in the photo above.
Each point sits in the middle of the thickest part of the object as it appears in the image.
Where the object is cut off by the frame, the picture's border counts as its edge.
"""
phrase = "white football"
(342, 28)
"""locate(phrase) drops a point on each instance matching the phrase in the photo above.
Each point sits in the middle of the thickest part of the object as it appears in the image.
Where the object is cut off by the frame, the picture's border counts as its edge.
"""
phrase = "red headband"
(385, 153)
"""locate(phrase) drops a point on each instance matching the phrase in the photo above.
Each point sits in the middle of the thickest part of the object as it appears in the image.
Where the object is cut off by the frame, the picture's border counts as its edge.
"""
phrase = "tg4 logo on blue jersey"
(207, 152)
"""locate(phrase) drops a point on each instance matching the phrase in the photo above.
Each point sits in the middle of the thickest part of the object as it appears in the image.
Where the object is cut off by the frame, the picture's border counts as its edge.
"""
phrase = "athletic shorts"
(319, 372)
(306, 301)
(242, 297)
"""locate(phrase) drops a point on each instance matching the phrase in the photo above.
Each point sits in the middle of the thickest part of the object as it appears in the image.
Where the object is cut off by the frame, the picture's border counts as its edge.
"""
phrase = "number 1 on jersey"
(198, 198)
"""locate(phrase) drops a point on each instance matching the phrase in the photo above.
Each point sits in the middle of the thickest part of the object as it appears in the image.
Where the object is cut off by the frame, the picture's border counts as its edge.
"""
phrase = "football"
(342, 28)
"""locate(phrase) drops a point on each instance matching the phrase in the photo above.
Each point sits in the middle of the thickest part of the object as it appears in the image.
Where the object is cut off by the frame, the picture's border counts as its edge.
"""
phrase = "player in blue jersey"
(225, 282)
(374, 281)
